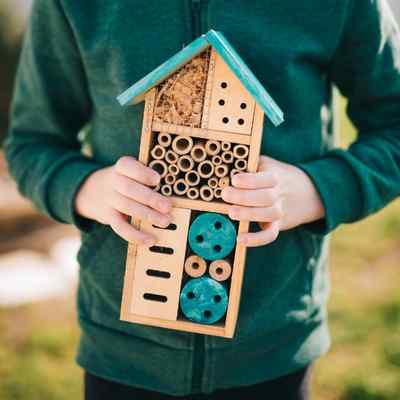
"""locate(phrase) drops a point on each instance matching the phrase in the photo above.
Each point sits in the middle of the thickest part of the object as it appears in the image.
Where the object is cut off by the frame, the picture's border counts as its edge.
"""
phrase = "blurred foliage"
(9, 51)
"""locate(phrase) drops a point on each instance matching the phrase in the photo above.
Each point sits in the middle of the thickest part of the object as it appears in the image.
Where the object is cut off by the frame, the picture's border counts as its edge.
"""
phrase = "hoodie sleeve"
(50, 106)
(359, 181)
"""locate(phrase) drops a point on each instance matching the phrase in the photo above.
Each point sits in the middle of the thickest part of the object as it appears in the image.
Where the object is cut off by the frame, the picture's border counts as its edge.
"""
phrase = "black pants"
(290, 387)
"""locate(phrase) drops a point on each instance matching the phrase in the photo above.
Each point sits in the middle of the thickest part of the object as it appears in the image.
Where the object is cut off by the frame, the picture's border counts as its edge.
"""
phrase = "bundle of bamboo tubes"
(194, 167)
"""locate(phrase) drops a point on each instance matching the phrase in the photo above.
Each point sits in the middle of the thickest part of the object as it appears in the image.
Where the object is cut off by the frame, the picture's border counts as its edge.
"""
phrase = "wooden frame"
(251, 136)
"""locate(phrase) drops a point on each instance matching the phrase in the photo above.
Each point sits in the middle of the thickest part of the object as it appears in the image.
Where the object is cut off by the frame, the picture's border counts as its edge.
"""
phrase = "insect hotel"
(203, 123)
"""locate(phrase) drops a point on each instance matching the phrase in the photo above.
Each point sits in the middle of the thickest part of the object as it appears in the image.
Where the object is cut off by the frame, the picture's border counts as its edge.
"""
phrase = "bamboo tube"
(234, 172)
(213, 147)
(159, 166)
(185, 163)
(164, 139)
(166, 190)
(170, 179)
(241, 164)
(240, 151)
(205, 169)
(173, 169)
(193, 193)
(171, 157)
(216, 160)
(220, 270)
(227, 157)
(218, 192)
(206, 193)
(213, 182)
(180, 187)
(192, 178)
(224, 182)
(195, 266)
(221, 170)
(198, 153)
(226, 146)
(158, 152)
(182, 144)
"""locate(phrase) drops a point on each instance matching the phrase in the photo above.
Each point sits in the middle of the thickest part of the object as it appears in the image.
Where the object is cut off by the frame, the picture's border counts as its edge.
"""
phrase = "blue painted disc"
(204, 300)
(212, 236)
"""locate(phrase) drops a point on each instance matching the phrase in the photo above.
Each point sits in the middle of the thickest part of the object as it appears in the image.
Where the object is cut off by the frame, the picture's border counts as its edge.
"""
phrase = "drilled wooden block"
(231, 107)
(159, 269)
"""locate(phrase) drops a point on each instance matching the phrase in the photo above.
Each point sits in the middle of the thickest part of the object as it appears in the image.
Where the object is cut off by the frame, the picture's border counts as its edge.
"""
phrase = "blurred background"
(38, 274)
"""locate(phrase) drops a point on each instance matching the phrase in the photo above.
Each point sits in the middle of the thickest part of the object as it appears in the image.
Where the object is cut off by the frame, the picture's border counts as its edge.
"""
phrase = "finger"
(258, 180)
(135, 170)
(143, 194)
(124, 229)
(134, 209)
(251, 198)
(259, 214)
(260, 238)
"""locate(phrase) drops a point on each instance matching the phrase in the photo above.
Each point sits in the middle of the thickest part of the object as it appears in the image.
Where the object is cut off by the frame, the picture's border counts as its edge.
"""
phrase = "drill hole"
(199, 239)
(224, 85)
(221, 102)
(243, 106)
(218, 225)
(225, 120)
(195, 265)
(240, 121)
(207, 314)
(217, 298)
(219, 271)
(217, 248)
(190, 295)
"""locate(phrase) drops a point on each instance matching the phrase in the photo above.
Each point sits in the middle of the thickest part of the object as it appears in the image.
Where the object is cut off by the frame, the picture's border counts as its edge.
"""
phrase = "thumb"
(266, 163)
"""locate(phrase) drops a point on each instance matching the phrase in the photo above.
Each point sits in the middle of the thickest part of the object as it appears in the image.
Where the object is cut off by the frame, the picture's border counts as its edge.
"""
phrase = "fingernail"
(225, 192)
(241, 240)
(233, 213)
(149, 242)
(165, 221)
(164, 206)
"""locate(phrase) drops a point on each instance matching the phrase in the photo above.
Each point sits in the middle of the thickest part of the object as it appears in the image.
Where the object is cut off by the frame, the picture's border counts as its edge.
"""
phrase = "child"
(78, 56)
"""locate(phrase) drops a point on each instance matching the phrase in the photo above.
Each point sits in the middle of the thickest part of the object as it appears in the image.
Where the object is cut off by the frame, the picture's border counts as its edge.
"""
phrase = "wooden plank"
(172, 264)
(200, 205)
(256, 139)
(144, 151)
(179, 325)
(201, 133)
(208, 91)
(240, 252)
(231, 106)
(236, 283)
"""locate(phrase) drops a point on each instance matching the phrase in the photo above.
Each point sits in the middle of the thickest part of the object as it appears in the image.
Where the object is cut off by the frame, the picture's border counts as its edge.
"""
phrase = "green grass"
(37, 343)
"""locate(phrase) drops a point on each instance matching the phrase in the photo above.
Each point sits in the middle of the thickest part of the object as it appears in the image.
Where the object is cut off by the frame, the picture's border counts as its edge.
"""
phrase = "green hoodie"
(79, 55)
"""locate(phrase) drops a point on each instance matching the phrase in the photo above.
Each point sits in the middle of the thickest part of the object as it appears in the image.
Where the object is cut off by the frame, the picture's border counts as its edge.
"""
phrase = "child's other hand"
(112, 195)
(279, 196)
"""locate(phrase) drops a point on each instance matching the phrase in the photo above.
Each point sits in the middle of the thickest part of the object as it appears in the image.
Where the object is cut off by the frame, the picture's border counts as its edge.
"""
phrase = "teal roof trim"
(136, 93)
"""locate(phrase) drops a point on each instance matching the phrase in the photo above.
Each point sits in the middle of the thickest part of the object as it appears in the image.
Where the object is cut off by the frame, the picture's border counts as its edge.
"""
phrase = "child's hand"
(112, 195)
(279, 196)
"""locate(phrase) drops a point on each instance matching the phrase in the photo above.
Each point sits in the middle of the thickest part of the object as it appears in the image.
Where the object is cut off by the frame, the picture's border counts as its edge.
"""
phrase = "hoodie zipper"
(199, 340)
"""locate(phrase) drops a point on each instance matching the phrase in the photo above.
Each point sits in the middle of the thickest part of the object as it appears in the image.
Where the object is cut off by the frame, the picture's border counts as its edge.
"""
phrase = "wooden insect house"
(203, 122)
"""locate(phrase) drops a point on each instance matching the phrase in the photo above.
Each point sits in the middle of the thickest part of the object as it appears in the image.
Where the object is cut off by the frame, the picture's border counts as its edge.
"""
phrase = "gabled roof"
(135, 94)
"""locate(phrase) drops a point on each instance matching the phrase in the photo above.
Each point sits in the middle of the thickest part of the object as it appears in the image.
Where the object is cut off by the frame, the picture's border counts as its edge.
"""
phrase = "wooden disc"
(220, 270)
(195, 266)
